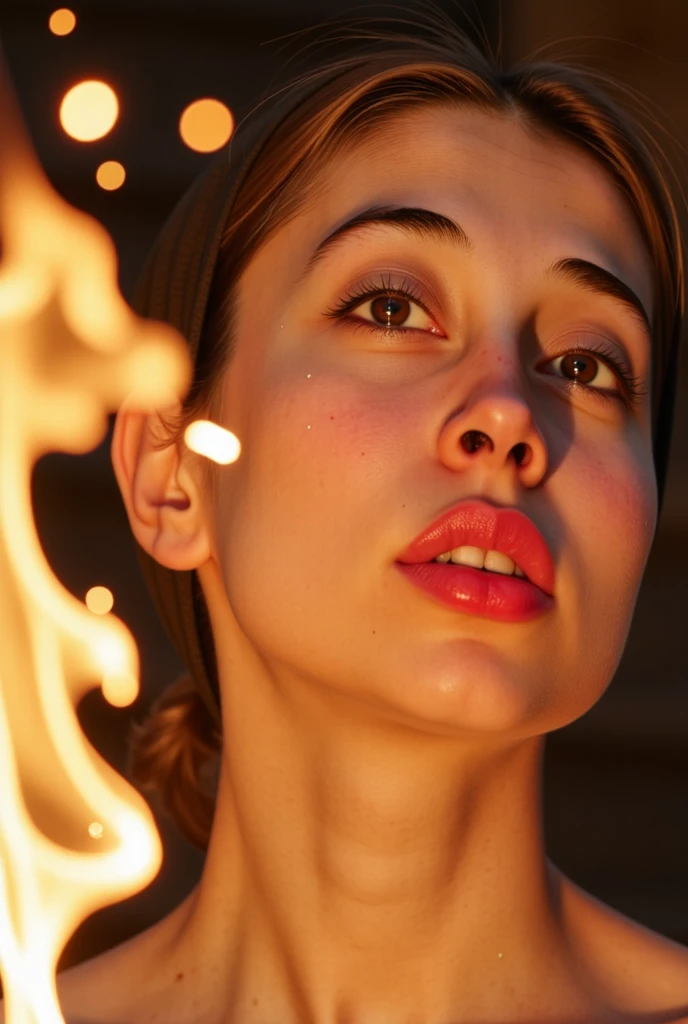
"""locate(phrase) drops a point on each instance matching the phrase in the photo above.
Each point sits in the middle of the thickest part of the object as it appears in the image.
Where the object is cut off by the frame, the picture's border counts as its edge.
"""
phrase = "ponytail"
(175, 756)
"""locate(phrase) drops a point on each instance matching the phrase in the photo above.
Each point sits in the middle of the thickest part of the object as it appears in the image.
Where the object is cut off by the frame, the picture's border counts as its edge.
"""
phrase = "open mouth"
(483, 560)
(479, 558)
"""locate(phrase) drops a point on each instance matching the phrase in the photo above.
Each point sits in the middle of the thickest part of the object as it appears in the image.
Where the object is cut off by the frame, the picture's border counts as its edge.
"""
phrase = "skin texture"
(378, 854)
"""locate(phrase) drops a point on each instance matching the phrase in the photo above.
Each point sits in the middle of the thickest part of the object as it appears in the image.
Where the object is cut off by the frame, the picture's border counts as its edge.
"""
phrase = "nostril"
(522, 454)
(472, 440)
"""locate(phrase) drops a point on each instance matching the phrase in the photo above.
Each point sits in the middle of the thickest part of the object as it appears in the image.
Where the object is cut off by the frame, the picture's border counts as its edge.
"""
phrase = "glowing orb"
(206, 125)
(89, 110)
(213, 441)
(99, 600)
(110, 175)
(62, 22)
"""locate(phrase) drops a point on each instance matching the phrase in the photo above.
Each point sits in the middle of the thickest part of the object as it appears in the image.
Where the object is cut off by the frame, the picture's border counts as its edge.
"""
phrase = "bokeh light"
(213, 441)
(89, 110)
(110, 175)
(62, 22)
(206, 125)
(95, 830)
(99, 600)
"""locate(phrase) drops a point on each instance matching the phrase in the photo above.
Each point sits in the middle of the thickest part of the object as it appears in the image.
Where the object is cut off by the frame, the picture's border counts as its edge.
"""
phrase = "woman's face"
(352, 432)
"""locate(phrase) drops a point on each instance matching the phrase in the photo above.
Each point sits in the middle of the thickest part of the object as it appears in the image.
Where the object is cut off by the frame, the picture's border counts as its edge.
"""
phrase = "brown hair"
(397, 71)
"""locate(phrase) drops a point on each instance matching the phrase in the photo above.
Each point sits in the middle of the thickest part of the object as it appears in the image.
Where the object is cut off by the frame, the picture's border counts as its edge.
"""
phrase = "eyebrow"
(425, 224)
(432, 226)
(596, 279)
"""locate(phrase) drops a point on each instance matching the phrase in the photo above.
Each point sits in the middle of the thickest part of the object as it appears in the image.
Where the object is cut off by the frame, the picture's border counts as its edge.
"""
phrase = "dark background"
(616, 789)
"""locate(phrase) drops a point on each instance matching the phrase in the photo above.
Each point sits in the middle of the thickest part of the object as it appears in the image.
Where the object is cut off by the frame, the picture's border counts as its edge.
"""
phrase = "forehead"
(517, 194)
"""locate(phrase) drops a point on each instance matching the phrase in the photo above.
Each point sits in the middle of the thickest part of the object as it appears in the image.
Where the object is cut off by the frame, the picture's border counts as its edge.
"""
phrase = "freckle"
(331, 417)
(373, 632)
(362, 453)
(180, 976)
(499, 359)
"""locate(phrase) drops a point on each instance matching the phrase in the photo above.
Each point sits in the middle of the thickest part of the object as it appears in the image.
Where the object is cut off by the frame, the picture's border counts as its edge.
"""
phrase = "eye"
(396, 310)
(585, 368)
(601, 372)
(392, 310)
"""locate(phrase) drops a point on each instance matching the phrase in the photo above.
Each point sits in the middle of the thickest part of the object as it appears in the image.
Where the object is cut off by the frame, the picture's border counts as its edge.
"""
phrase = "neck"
(358, 866)
(364, 867)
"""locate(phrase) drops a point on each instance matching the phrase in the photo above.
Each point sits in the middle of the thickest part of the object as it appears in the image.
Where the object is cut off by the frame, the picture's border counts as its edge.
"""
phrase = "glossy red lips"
(476, 591)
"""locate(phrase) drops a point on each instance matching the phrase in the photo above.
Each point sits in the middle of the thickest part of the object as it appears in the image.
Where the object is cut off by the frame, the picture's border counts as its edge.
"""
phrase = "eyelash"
(369, 290)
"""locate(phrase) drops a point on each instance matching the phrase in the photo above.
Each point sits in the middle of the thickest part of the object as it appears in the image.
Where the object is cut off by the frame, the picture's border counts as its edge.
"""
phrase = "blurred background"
(616, 790)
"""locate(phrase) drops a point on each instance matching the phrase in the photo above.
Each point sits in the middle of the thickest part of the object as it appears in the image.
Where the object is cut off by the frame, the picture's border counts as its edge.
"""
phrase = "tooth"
(495, 561)
(519, 572)
(468, 555)
(444, 557)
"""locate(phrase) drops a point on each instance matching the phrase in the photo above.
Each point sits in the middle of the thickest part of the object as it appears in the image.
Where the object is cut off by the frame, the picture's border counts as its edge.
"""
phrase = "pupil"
(580, 368)
(390, 310)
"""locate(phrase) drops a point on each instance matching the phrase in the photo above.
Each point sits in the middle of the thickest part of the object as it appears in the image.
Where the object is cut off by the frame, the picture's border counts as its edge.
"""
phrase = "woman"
(439, 305)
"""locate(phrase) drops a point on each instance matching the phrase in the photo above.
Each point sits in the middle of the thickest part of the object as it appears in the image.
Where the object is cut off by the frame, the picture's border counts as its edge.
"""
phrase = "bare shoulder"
(640, 971)
(121, 985)
(118, 986)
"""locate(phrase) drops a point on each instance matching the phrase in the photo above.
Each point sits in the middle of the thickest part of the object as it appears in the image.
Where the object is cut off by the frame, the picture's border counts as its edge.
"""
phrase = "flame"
(206, 125)
(70, 351)
(89, 110)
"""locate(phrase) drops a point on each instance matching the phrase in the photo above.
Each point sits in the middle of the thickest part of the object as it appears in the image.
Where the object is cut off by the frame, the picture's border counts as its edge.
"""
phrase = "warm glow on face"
(70, 350)
(88, 111)
(213, 441)
(99, 600)
(206, 125)
(62, 22)
(110, 175)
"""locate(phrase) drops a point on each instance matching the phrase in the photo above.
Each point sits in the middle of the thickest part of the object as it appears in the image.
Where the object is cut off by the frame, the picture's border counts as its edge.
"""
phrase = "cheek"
(608, 507)
(615, 504)
(327, 438)
(319, 469)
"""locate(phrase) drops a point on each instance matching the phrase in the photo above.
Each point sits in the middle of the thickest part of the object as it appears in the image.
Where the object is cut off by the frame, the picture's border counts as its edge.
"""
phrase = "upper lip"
(483, 525)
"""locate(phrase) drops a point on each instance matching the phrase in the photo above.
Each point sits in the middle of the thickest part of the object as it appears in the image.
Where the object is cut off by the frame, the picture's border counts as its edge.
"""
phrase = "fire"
(74, 836)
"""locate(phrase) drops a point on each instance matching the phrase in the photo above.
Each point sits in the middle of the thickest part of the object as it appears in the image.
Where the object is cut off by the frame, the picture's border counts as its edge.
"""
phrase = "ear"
(160, 493)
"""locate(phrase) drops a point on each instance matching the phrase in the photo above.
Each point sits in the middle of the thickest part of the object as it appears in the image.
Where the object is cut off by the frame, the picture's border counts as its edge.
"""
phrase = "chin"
(471, 687)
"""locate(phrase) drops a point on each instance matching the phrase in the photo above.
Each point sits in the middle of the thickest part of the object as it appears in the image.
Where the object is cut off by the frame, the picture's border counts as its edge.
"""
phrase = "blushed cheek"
(615, 513)
(630, 486)
(333, 429)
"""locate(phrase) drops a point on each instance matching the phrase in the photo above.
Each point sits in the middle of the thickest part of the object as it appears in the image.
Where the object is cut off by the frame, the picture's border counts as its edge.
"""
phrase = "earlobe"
(159, 492)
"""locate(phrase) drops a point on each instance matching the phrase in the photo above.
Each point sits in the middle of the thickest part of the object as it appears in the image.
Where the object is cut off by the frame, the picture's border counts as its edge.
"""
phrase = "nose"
(494, 431)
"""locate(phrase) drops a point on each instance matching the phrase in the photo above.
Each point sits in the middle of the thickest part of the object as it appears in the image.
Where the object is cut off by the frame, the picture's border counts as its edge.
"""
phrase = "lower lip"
(476, 592)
